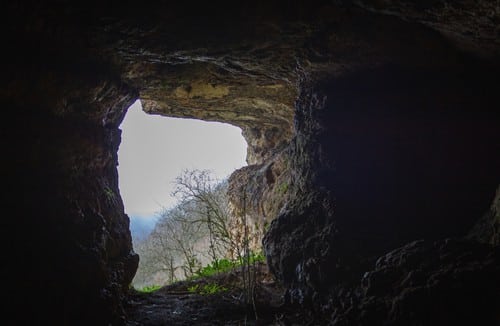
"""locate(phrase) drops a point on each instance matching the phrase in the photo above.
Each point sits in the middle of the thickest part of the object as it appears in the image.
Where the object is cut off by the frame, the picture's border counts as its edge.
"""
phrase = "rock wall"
(426, 283)
(69, 254)
(487, 229)
(373, 172)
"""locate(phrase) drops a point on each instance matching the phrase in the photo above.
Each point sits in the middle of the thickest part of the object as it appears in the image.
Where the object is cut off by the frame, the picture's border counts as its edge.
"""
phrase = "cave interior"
(382, 117)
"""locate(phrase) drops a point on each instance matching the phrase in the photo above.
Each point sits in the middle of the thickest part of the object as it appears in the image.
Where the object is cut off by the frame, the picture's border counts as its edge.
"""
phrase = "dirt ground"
(175, 305)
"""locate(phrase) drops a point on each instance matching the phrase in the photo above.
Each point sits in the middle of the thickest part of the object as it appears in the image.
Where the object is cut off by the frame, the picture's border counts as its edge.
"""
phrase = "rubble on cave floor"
(183, 304)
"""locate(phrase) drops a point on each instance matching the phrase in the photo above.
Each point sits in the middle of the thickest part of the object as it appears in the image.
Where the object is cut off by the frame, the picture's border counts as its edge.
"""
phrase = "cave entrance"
(154, 151)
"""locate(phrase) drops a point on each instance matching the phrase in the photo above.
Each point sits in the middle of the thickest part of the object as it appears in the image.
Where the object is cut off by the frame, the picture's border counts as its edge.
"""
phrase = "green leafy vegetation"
(149, 289)
(193, 240)
(217, 266)
(226, 265)
(266, 226)
(283, 188)
(207, 289)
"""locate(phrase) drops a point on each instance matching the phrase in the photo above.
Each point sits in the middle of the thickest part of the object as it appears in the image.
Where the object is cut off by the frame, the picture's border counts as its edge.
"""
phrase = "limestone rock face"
(257, 193)
(370, 124)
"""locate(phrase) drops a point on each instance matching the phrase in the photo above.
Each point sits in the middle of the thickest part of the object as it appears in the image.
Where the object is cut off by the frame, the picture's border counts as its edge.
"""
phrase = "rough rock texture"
(487, 229)
(369, 177)
(257, 193)
(68, 249)
(448, 282)
(470, 25)
(370, 124)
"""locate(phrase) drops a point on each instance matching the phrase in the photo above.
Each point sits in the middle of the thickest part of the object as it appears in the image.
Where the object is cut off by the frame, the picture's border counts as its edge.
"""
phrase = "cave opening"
(154, 152)
(373, 155)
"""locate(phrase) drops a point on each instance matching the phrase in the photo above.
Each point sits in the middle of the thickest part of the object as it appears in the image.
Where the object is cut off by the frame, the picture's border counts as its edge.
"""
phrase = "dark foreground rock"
(177, 305)
(449, 282)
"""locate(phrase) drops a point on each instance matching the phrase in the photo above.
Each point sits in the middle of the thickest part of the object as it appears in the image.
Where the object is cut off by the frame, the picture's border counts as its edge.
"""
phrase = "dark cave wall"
(72, 249)
(69, 253)
(446, 282)
(70, 246)
(382, 157)
(419, 147)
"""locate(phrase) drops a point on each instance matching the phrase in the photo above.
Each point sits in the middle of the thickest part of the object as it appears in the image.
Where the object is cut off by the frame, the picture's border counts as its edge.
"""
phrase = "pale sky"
(155, 149)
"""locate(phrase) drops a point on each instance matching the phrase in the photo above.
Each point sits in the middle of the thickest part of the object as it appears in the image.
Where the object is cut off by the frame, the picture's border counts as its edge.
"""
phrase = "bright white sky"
(155, 149)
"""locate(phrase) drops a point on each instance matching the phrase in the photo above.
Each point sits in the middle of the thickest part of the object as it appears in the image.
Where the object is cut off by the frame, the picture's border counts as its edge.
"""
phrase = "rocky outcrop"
(449, 282)
(68, 242)
(257, 193)
(487, 229)
(358, 189)
(368, 127)
(470, 25)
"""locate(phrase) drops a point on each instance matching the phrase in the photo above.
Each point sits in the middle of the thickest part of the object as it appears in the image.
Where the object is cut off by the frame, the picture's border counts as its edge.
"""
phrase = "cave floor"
(193, 309)
(176, 305)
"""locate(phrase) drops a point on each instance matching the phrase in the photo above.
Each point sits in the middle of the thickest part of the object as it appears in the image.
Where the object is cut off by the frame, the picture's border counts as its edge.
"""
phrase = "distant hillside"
(141, 227)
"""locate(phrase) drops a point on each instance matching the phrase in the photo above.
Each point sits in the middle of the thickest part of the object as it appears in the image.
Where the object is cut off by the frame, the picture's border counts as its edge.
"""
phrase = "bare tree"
(229, 233)
(171, 247)
(183, 236)
(211, 209)
(155, 261)
(200, 227)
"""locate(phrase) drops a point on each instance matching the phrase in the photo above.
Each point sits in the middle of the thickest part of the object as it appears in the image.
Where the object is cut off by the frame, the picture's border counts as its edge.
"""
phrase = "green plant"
(217, 266)
(252, 258)
(283, 187)
(110, 194)
(194, 288)
(212, 288)
(257, 257)
(266, 226)
(226, 265)
(207, 289)
(149, 289)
